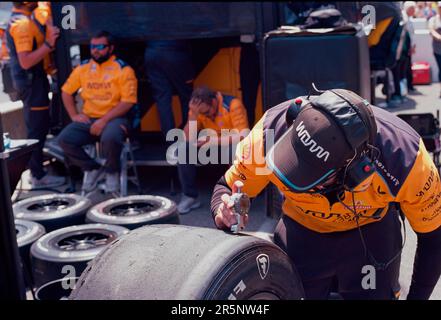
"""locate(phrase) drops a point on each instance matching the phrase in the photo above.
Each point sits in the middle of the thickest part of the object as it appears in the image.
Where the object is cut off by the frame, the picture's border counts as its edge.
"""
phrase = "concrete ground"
(156, 180)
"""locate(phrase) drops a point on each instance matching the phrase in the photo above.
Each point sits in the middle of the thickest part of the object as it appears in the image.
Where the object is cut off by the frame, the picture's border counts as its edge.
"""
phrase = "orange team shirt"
(4, 52)
(102, 86)
(230, 116)
(24, 32)
(414, 182)
(43, 15)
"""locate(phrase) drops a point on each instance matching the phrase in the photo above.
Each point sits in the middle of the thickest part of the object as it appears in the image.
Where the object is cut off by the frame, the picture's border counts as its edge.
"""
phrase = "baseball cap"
(311, 150)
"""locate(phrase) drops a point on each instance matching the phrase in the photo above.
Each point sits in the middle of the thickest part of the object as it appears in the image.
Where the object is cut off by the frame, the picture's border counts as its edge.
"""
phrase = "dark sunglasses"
(98, 46)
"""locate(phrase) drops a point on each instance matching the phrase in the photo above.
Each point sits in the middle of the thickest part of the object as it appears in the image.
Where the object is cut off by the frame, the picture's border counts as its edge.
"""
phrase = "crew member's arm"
(72, 85)
(128, 88)
(435, 34)
(23, 40)
(239, 121)
(250, 168)
(420, 200)
(193, 114)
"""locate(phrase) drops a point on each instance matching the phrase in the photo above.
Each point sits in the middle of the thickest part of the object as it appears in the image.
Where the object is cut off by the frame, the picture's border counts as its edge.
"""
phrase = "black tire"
(134, 211)
(164, 262)
(53, 211)
(74, 246)
(59, 289)
(27, 233)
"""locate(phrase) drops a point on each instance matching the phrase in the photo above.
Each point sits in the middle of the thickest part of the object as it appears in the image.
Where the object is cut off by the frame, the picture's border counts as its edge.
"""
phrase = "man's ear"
(112, 47)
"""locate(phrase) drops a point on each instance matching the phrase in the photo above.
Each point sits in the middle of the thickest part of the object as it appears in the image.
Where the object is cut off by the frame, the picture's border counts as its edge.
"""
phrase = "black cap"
(310, 151)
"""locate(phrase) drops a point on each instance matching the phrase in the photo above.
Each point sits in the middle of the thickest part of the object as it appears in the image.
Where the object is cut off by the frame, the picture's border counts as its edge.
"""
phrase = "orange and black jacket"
(405, 174)
(231, 114)
(23, 34)
(102, 86)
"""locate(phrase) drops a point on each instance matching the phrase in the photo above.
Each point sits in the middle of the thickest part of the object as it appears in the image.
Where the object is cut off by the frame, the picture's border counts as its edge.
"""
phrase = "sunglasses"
(98, 46)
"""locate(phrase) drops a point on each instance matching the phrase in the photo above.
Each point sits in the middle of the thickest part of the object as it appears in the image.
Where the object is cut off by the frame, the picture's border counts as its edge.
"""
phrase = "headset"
(354, 117)
(356, 120)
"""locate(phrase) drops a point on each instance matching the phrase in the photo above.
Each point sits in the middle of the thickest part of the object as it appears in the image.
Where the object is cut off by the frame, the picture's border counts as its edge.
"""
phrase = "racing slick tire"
(73, 247)
(53, 211)
(56, 290)
(134, 211)
(168, 262)
(27, 232)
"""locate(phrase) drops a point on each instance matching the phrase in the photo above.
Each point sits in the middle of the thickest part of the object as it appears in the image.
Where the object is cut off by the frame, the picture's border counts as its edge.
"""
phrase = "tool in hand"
(241, 206)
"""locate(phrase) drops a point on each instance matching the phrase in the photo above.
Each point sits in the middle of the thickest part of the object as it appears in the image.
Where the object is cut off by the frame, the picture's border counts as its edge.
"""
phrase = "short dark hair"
(100, 34)
(205, 94)
(18, 4)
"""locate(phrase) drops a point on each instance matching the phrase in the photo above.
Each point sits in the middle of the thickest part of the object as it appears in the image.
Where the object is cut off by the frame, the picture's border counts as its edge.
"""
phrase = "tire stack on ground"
(27, 232)
(64, 253)
(53, 211)
(58, 258)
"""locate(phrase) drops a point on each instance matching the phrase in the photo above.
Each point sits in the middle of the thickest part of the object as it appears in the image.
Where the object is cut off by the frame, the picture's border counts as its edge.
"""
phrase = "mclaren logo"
(263, 264)
(304, 136)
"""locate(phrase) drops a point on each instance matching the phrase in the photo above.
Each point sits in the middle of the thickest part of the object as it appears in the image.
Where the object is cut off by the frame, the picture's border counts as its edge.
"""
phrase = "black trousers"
(170, 69)
(438, 62)
(328, 259)
(76, 135)
(37, 118)
(187, 172)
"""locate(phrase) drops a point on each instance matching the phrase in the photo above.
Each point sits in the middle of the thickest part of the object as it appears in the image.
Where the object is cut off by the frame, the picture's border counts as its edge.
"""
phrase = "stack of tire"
(27, 232)
(60, 256)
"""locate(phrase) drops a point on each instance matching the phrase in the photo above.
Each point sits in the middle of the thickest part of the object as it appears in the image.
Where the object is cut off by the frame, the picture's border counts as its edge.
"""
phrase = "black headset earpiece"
(363, 164)
(293, 111)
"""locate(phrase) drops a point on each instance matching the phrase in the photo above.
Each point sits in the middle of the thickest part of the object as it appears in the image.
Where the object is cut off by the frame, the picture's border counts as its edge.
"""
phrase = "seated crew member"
(347, 171)
(209, 110)
(109, 90)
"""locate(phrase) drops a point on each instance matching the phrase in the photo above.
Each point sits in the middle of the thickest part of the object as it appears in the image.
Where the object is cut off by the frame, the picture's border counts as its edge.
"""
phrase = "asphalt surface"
(157, 181)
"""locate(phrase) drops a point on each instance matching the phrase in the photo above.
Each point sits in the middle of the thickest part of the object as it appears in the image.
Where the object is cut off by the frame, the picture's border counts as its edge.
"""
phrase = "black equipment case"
(293, 58)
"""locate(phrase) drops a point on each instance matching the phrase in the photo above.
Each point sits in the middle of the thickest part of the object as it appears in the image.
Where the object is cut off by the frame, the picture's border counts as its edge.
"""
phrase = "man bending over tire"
(348, 171)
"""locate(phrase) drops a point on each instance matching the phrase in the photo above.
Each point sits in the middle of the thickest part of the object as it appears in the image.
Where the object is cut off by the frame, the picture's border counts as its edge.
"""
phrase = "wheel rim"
(19, 230)
(84, 240)
(130, 209)
(49, 205)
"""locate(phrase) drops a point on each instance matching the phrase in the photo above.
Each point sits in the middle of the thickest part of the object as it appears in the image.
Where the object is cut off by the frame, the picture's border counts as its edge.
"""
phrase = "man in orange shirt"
(215, 111)
(347, 171)
(29, 46)
(109, 90)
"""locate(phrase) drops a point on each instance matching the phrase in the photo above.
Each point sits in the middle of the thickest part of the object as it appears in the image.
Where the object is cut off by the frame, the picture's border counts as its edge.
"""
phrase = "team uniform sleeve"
(73, 83)
(238, 115)
(249, 165)
(420, 195)
(22, 36)
(128, 85)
